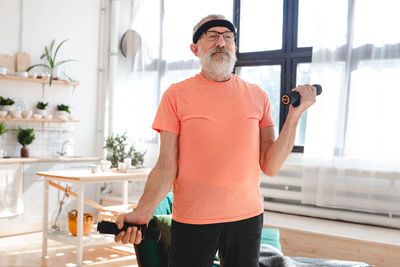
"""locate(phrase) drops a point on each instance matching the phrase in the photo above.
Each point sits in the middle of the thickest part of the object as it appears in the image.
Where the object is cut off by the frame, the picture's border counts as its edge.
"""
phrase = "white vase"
(40, 111)
(7, 107)
(62, 115)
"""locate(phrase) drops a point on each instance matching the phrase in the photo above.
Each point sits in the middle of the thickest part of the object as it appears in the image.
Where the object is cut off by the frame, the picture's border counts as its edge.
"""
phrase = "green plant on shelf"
(6, 101)
(41, 105)
(25, 136)
(3, 128)
(63, 107)
(51, 65)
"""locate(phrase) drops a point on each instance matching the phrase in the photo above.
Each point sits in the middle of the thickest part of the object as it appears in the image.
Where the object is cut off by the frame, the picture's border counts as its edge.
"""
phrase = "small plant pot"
(7, 107)
(25, 152)
(40, 111)
(62, 115)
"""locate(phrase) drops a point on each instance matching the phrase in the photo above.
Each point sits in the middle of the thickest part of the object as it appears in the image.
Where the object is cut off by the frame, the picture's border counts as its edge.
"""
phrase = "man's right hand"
(132, 234)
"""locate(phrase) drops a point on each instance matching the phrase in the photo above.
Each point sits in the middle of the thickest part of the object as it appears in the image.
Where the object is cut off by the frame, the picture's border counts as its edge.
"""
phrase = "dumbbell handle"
(293, 97)
(106, 227)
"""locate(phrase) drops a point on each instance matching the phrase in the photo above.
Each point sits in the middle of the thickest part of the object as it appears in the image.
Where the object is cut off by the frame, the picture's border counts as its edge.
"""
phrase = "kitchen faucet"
(63, 152)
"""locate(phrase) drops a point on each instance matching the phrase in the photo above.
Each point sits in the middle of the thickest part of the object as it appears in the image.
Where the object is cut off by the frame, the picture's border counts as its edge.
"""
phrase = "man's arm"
(274, 152)
(157, 187)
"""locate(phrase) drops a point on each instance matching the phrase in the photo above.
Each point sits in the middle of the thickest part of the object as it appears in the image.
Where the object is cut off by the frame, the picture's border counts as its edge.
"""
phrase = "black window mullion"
(287, 57)
(236, 21)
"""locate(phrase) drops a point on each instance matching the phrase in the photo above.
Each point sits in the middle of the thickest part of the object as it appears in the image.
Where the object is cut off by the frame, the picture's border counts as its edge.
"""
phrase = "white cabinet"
(33, 191)
(11, 203)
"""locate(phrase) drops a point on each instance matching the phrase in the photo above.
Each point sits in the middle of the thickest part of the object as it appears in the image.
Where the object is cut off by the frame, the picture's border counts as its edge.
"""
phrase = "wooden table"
(80, 177)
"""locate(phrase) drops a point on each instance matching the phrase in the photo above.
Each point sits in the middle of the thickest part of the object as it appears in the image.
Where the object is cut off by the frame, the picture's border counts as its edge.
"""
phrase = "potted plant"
(138, 158)
(3, 129)
(63, 111)
(120, 150)
(6, 103)
(51, 65)
(41, 107)
(25, 137)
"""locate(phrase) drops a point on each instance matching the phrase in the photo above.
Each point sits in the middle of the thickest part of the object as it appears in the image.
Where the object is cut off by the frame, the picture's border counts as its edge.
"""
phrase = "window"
(273, 51)
(268, 54)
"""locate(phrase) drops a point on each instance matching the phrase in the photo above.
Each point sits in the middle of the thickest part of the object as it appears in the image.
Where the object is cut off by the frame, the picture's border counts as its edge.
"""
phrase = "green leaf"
(41, 105)
(37, 65)
(49, 58)
(51, 78)
(3, 128)
(51, 47)
(25, 136)
(58, 47)
(64, 61)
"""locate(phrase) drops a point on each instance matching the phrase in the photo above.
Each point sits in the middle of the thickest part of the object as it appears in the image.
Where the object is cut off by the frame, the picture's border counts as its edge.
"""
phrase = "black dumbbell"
(106, 227)
(294, 97)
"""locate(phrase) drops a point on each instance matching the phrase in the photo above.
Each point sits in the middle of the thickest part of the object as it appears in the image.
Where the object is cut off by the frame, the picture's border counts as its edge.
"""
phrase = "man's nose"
(220, 41)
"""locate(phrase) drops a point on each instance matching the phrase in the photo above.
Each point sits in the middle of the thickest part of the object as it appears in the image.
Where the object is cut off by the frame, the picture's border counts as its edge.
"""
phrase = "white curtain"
(163, 58)
(352, 147)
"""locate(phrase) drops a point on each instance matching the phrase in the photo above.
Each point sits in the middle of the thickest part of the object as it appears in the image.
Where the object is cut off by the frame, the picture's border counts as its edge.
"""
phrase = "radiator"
(283, 193)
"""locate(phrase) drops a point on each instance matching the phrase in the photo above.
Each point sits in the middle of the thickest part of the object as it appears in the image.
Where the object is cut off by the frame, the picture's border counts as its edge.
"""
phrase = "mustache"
(219, 50)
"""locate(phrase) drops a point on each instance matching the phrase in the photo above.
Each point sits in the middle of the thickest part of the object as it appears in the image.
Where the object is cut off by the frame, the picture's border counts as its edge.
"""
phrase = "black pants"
(238, 243)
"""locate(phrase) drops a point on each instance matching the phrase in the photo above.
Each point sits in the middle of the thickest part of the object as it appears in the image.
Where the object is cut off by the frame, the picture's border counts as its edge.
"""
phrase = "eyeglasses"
(213, 36)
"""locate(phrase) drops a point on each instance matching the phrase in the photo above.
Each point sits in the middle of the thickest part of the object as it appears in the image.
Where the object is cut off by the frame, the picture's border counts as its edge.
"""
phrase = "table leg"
(79, 250)
(125, 192)
(45, 216)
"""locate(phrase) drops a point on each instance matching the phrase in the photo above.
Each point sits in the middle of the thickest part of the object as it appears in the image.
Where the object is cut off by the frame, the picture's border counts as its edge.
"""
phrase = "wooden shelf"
(36, 120)
(35, 80)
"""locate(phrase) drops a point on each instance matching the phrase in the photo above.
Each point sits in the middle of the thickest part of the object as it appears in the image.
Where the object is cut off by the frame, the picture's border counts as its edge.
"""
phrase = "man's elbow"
(269, 172)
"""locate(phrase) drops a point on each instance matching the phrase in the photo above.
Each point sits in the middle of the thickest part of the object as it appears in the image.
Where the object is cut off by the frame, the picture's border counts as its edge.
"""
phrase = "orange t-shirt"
(218, 124)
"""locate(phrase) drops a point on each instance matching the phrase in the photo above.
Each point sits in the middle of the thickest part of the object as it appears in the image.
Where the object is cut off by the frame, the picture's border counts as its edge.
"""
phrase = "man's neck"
(215, 78)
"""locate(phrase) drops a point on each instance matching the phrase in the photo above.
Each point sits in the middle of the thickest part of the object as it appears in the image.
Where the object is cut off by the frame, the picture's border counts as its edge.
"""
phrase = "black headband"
(212, 23)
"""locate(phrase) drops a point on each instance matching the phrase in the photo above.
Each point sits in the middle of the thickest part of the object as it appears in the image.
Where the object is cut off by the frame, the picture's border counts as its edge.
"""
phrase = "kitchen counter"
(47, 159)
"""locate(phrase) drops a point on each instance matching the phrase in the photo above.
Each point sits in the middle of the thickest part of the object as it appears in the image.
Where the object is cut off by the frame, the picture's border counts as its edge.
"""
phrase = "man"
(216, 133)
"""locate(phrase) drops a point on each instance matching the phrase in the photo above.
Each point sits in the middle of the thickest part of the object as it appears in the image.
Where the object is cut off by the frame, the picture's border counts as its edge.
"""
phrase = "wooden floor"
(26, 250)
(318, 238)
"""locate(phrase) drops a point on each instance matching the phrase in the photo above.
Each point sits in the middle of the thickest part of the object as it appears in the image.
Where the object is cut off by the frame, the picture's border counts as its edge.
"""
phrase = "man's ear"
(194, 49)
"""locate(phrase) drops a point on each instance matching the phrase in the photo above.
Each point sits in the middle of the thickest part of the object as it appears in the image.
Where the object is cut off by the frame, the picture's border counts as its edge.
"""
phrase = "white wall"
(43, 21)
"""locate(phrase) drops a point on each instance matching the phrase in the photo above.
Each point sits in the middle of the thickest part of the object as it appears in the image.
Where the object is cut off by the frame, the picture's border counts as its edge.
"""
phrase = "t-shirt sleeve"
(167, 117)
(266, 119)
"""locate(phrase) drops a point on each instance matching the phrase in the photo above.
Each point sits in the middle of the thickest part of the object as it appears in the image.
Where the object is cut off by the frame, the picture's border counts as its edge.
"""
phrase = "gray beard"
(218, 64)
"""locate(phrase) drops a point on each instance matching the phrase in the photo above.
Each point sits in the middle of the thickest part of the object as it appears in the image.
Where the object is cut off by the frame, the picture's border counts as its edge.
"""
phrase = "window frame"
(287, 57)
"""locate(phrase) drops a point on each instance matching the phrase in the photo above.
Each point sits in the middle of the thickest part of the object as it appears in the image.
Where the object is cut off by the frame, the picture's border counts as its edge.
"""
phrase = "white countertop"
(86, 175)
(46, 159)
